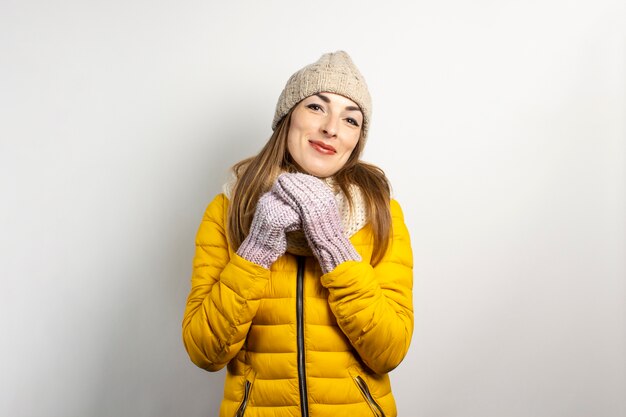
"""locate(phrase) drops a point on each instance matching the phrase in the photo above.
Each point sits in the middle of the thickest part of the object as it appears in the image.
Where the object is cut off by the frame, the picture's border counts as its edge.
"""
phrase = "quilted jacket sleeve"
(224, 297)
(374, 305)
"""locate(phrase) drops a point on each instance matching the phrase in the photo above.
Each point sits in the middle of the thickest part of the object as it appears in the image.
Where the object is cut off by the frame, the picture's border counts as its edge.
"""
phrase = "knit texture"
(353, 218)
(321, 221)
(332, 73)
(267, 239)
(240, 318)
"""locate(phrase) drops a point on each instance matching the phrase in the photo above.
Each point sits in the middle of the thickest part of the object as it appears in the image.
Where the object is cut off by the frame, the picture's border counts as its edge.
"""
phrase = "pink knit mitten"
(267, 241)
(321, 221)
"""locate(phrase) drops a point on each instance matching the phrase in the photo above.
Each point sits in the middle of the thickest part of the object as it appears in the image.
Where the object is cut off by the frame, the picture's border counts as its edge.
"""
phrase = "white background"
(501, 125)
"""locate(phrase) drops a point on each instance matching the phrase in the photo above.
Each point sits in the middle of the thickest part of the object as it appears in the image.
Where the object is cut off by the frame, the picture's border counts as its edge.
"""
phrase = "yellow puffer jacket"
(296, 342)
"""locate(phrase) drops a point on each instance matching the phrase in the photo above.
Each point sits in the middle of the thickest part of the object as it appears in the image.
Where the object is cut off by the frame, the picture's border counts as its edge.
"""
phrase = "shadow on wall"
(144, 368)
(228, 143)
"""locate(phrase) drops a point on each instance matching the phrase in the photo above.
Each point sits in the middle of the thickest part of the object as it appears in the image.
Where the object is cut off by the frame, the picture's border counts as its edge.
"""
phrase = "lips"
(323, 147)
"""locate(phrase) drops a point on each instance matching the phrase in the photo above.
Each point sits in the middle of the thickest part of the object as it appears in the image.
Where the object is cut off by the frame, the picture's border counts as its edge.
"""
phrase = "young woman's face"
(324, 130)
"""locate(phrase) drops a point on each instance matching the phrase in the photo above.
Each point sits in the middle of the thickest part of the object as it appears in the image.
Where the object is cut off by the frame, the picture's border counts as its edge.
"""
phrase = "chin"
(320, 173)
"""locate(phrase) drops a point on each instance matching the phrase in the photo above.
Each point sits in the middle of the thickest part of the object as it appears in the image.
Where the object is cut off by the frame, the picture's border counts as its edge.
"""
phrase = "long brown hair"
(256, 175)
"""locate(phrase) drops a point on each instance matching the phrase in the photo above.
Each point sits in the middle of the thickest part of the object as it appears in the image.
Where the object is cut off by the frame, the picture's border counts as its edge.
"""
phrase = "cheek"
(352, 143)
(294, 148)
(300, 122)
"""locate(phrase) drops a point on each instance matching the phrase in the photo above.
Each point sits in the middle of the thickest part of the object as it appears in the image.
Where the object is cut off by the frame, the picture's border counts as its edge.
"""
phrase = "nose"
(329, 126)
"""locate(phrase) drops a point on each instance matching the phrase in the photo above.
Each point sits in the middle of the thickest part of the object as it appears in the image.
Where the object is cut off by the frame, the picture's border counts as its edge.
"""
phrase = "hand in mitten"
(266, 241)
(315, 203)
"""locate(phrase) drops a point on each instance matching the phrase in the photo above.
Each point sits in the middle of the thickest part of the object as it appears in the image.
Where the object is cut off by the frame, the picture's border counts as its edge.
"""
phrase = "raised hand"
(313, 200)
(267, 239)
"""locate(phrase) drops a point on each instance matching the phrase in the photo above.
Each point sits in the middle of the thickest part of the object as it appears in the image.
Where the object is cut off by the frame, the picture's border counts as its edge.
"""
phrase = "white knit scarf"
(351, 220)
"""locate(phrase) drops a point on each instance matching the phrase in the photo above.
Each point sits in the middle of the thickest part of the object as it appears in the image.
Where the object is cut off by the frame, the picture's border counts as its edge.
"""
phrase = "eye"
(352, 121)
(314, 107)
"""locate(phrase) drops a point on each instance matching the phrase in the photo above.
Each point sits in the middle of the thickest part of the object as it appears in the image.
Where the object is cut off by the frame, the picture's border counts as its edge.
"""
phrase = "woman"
(302, 276)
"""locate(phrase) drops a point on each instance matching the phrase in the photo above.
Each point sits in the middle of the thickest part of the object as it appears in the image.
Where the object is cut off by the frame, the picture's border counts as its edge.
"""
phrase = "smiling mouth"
(322, 147)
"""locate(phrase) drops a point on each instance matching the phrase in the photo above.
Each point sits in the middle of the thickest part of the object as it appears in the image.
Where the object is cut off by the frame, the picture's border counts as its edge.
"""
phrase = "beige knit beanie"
(333, 73)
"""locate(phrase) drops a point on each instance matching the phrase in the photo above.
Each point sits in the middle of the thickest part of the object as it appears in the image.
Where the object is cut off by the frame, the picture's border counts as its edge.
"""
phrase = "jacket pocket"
(247, 391)
(367, 395)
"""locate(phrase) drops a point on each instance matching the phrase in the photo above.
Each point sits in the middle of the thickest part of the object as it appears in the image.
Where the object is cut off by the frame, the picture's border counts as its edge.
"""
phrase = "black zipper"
(244, 402)
(368, 396)
(304, 400)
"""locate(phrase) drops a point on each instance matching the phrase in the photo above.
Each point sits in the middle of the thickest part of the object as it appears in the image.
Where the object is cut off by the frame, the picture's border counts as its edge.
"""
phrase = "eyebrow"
(327, 100)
